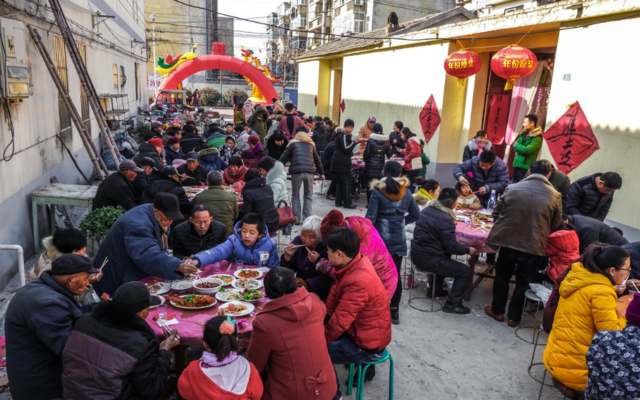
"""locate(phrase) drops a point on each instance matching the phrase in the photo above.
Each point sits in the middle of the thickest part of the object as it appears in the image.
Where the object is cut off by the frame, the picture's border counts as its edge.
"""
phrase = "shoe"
(459, 309)
(368, 376)
(330, 197)
(350, 206)
(439, 294)
(338, 204)
(512, 323)
(567, 391)
(395, 316)
(489, 312)
(355, 196)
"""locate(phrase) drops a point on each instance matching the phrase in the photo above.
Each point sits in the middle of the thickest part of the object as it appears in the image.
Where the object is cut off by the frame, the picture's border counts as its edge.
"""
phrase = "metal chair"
(530, 297)
(532, 364)
(542, 385)
(433, 291)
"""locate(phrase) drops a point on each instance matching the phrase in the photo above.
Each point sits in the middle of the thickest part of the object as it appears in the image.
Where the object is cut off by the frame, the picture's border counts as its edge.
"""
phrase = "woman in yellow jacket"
(587, 305)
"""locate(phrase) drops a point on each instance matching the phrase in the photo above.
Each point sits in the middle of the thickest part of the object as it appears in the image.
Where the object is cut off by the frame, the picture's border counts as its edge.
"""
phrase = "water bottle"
(492, 201)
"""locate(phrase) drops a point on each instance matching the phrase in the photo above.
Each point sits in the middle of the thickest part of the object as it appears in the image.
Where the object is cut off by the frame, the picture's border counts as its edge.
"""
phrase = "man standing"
(223, 205)
(592, 196)
(290, 123)
(526, 146)
(196, 174)
(136, 246)
(489, 173)
(198, 234)
(363, 135)
(196, 98)
(235, 99)
(38, 322)
(116, 189)
(524, 217)
(305, 161)
(341, 164)
(258, 123)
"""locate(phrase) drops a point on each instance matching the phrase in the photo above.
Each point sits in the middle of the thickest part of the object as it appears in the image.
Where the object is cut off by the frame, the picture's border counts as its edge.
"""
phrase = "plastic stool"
(530, 297)
(361, 372)
(433, 291)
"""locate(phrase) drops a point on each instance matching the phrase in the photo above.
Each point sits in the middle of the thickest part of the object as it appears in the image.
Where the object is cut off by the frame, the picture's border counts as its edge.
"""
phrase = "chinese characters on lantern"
(460, 64)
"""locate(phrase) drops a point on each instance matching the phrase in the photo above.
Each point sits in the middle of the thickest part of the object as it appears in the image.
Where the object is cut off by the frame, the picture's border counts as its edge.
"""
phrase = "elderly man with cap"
(143, 179)
(113, 352)
(116, 189)
(38, 322)
(173, 151)
(136, 246)
(190, 141)
(169, 181)
(153, 149)
(196, 174)
(155, 131)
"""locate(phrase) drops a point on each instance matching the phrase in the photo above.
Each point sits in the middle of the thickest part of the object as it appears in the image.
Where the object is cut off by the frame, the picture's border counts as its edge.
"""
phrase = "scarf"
(438, 206)
(165, 241)
(210, 360)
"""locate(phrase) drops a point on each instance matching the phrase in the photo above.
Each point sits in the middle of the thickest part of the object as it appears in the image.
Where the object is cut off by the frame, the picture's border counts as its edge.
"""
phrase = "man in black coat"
(38, 322)
(196, 174)
(113, 352)
(326, 157)
(198, 234)
(341, 164)
(634, 251)
(592, 196)
(591, 230)
(169, 182)
(143, 179)
(489, 173)
(116, 189)
(376, 151)
(190, 141)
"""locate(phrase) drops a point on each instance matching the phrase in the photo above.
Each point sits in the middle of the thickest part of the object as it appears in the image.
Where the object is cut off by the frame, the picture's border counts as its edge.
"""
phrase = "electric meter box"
(13, 59)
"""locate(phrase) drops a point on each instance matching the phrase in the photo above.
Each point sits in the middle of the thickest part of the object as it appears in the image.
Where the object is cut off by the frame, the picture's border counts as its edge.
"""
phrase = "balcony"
(300, 21)
(283, 30)
(298, 43)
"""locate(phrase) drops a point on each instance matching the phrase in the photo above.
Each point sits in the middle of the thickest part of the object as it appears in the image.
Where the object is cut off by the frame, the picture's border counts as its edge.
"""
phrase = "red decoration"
(315, 101)
(429, 118)
(513, 62)
(571, 139)
(462, 64)
(498, 116)
(342, 106)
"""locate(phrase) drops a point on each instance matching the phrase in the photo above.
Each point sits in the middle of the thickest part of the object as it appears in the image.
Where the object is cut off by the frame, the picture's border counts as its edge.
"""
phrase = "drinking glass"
(162, 315)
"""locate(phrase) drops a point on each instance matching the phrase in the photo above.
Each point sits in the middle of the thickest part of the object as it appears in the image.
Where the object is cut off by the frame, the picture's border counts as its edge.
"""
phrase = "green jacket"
(425, 162)
(223, 205)
(527, 147)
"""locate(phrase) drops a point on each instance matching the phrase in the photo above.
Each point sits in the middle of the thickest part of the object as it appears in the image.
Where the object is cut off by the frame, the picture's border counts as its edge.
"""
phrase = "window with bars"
(60, 59)
(84, 101)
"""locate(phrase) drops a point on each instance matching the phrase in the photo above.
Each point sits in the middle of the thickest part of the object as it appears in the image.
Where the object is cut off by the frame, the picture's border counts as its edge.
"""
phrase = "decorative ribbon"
(310, 382)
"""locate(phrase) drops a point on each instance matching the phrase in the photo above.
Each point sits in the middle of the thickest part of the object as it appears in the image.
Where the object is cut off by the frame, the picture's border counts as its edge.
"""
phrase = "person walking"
(341, 164)
(377, 150)
(526, 146)
(196, 98)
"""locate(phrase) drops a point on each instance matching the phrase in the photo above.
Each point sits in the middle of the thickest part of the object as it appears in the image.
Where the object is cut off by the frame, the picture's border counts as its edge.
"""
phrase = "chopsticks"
(106, 260)
(166, 329)
(634, 285)
(200, 323)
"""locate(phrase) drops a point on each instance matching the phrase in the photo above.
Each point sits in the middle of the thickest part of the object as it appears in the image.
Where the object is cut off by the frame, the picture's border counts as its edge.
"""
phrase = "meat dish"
(232, 309)
(192, 301)
(207, 285)
(248, 273)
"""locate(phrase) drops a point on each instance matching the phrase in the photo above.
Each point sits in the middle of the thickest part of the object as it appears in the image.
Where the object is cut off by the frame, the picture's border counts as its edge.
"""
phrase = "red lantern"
(513, 62)
(462, 64)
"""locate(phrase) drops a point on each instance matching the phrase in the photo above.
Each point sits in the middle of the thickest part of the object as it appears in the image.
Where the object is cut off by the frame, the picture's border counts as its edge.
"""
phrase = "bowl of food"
(181, 286)
(208, 285)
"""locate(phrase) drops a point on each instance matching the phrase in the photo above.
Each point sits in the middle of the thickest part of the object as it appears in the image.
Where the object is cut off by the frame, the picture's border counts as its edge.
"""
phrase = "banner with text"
(429, 118)
(498, 117)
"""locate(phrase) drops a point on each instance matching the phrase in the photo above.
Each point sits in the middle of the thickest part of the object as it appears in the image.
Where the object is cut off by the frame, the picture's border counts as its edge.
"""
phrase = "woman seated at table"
(258, 198)
(235, 171)
(304, 253)
(288, 345)
(249, 244)
(587, 305)
(429, 190)
(220, 373)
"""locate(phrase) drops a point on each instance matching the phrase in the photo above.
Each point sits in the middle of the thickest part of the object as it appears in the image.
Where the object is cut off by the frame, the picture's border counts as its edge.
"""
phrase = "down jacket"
(263, 252)
(166, 184)
(471, 149)
(147, 150)
(587, 305)
(497, 178)
(210, 160)
(343, 150)
(435, 235)
(320, 136)
(527, 147)
(113, 353)
(277, 179)
(562, 251)
(114, 191)
(583, 198)
(358, 305)
(591, 230)
(376, 151)
(258, 199)
(185, 241)
(412, 151)
(273, 150)
(303, 155)
(258, 122)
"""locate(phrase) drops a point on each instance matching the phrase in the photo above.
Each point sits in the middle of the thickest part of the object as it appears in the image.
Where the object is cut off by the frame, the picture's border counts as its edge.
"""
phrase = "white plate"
(193, 308)
(237, 281)
(164, 287)
(249, 310)
(252, 301)
(222, 295)
(219, 275)
(161, 301)
(237, 273)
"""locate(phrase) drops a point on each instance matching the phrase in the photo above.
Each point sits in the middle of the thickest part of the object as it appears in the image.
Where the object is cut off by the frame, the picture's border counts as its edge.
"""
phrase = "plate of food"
(161, 301)
(247, 284)
(488, 226)
(191, 277)
(225, 278)
(228, 295)
(236, 309)
(461, 218)
(484, 217)
(248, 273)
(466, 212)
(192, 301)
(156, 287)
(251, 295)
(181, 286)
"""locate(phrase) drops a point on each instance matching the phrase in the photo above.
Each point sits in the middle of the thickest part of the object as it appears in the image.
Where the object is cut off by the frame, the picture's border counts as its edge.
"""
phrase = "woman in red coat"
(287, 345)
(412, 155)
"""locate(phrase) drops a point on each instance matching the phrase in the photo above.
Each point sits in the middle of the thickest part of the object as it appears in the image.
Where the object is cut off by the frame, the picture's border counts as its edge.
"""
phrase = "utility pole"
(153, 29)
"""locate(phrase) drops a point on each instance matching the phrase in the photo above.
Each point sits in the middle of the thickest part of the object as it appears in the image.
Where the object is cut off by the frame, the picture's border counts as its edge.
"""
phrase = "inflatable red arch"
(218, 60)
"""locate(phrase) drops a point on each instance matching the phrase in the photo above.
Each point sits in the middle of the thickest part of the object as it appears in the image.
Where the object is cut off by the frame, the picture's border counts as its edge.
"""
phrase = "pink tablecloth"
(473, 237)
(191, 332)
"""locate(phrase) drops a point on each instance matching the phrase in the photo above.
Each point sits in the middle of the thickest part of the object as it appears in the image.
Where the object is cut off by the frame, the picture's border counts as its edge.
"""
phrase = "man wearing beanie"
(113, 352)
(116, 189)
(38, 322)
(152, 149)
(614, 359)
(190, 139)
(173, 151)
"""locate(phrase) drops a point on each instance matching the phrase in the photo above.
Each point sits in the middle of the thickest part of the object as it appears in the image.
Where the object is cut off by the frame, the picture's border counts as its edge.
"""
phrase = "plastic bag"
(541, 291)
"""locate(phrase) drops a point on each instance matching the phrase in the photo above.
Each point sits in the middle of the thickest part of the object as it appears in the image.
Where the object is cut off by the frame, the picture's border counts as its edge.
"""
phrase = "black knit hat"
(69, 264)
(135, 296)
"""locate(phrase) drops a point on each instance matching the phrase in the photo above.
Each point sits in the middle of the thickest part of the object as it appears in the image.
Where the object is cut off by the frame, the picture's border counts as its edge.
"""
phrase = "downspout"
(20, 259)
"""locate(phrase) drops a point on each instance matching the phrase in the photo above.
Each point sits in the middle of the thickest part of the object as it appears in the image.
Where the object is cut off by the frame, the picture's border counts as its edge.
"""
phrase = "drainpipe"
(20, 259)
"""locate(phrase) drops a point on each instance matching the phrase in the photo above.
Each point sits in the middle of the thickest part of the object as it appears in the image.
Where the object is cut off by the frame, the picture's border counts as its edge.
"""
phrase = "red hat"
(333, 220)
(253, 139)
(155, 142)
(174, 140)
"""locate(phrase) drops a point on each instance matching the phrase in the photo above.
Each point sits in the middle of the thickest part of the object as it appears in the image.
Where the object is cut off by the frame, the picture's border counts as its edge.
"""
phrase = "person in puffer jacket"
(276, 177)
(591, 196)
(210, 159)
(376, 151)
(412, 155)
(483, 173)
(113, 352)
(562, 251)
(320, 136)
(249, 243)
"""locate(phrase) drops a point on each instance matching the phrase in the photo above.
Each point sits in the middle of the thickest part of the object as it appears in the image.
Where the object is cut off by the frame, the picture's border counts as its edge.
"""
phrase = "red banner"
(498, 116)
(571, 139)
(429, 118)
(342, 106)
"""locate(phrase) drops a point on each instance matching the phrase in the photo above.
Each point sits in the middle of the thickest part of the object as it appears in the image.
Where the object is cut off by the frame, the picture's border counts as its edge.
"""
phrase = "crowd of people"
(335, 290)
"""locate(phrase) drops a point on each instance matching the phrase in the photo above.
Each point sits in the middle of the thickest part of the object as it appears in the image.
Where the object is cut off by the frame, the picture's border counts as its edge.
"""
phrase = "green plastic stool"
(361, 372)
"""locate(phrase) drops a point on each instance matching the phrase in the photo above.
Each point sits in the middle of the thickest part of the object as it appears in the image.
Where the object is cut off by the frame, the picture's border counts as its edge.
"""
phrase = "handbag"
(285, 214)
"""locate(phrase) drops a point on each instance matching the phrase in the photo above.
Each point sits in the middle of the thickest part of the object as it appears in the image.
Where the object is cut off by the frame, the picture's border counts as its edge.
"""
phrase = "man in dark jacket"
(223, 205)
(113, 352)
(591, 230)
(376, 151)
(305, 161)
(395, 139)
(173, 151)
(320, 136)
(196, 174)
(524, 217)
(116, 189)
(152, 149)
(489, 173)
(559, 180)
(136, 246)
(143, 179)
(326, 157)
(38, 322)
(276, 145)
(198, 234)
(433, 243)
(169, 182)
(341, 164)
(634, 251)
(592, 195)
(190, 141)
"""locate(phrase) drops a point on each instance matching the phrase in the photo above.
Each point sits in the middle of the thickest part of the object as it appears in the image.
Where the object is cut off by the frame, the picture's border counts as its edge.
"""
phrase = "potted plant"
(97, 223)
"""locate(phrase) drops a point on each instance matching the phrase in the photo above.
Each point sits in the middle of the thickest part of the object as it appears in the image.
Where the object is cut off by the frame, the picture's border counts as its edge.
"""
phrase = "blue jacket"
(388, 214)
(497, 178)
(38, 322)
(264, 252)
(134, 248)
(211, 160)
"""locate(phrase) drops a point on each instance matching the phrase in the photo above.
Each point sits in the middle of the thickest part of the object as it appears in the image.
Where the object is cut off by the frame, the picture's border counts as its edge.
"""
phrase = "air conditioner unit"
(13, 60)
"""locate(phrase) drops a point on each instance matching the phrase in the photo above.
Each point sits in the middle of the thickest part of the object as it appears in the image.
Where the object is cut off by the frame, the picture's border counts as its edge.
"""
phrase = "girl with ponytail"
(587, 305)
(220, 374)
